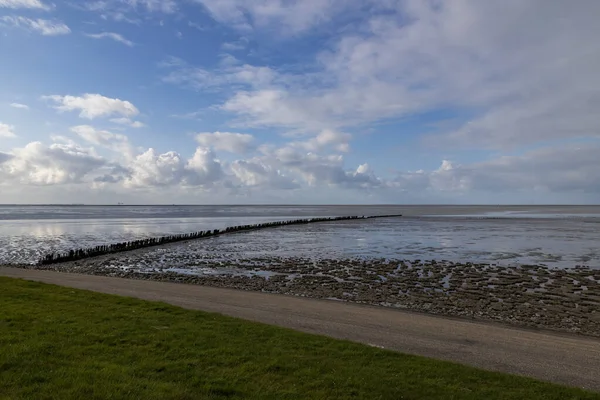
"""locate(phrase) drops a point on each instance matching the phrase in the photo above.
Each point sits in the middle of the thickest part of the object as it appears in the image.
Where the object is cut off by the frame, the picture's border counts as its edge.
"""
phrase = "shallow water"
(500, 242)
(558, 236)
(25, 241)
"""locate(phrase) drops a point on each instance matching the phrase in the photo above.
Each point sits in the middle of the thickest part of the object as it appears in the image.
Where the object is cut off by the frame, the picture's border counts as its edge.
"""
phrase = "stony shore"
(529, 295)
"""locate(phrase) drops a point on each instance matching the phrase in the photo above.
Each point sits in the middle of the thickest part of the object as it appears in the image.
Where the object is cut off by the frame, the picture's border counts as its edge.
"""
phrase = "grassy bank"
(61, 343)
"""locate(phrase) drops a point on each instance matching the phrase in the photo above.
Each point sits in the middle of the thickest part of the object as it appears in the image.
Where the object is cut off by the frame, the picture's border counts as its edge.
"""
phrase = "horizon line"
(303, 205)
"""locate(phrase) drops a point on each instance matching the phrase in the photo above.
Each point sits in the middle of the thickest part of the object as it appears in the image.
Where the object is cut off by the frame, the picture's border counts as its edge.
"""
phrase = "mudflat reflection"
(572, 239)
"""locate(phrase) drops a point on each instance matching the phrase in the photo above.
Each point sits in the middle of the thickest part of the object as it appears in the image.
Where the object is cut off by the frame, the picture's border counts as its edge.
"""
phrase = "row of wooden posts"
(79, 254)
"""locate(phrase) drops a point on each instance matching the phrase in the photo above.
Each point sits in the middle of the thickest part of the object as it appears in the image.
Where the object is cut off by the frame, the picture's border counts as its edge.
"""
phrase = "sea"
(554, 236)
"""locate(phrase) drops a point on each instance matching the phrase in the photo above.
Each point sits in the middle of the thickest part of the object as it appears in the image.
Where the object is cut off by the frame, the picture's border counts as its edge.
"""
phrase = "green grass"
(62, 343)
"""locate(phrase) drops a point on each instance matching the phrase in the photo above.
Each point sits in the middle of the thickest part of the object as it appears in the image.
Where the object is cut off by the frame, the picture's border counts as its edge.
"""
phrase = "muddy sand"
(532, 296)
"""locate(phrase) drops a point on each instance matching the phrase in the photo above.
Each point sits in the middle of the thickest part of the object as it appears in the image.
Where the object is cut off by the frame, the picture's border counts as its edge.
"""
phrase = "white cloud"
(553, 169)
(7, 131)
(204, 168)
(43, 26)
(93, 105)
(278, 108)
(66, 162)
(548, 170)
(113, 141)
(150, 169)
(128, 122)
(338, 140)
(227, 141)
(256, 173)
(19, 105)
(508, 75)
(317, 170)
(37, 164)
(495, 66)
(32, 4)
(329, 170)
(111, 35)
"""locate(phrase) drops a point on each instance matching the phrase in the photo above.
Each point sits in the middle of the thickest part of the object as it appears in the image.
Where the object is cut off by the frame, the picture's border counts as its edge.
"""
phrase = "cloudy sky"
(312, 101)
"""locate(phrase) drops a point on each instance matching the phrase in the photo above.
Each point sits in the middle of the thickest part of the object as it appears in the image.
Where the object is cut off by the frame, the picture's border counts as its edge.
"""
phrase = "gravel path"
(562, 358)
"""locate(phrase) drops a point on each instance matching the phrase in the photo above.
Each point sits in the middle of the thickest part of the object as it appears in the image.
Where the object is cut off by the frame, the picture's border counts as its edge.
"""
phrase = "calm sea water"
(561, 236)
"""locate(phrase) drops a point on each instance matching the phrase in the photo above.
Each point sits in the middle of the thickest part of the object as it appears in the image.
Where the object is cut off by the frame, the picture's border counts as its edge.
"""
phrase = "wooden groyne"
(79, 254)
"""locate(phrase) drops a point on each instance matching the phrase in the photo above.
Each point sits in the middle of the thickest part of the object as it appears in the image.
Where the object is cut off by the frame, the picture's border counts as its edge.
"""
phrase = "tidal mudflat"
(533, 296)
(559, 240)
(535, 268)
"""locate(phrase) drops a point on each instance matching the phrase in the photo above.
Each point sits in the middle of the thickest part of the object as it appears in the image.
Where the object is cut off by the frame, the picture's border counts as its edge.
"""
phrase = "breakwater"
(79, 254)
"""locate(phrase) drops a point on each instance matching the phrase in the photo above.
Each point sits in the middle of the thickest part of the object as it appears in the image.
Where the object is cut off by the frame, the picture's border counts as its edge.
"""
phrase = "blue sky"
(316, 101)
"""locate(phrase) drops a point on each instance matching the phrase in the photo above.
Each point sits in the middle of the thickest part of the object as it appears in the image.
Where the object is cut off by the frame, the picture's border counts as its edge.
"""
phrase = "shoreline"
(551, 356)
(529, 296)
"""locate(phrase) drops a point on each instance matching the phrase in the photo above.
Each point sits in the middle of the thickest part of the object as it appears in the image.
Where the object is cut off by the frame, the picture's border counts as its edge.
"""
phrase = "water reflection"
(557, 242)
(25, 241)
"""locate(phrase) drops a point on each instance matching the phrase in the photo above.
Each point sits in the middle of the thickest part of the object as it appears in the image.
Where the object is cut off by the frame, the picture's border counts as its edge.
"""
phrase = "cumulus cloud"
(111, 35)
(554, 169)
(4, 157)
(564, 169)
(19, 105)
(67, 162)
(226, 141)
(509, 77)
(151, 169)
(93, 105)
(327, 138)
(548, 171)
(257, 173)
(204, 168)
(7, 131)
(31, 4)
(115, 142)
(329, 170)
(37, 164)
(313, 169)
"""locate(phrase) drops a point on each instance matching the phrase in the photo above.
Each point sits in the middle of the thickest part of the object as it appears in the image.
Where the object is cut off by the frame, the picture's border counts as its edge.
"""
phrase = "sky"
(300, 102)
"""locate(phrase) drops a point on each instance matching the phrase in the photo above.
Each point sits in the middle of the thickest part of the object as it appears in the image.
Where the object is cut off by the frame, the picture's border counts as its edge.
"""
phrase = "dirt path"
(566, 359)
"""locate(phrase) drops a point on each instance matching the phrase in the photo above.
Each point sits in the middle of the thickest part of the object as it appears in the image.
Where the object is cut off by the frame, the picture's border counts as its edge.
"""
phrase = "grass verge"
(62, 343)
